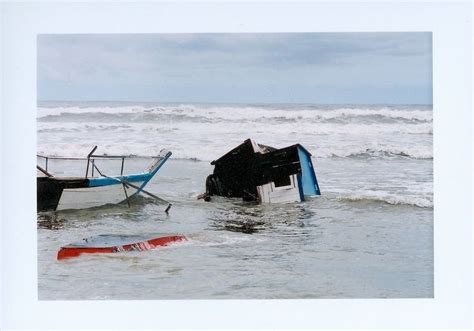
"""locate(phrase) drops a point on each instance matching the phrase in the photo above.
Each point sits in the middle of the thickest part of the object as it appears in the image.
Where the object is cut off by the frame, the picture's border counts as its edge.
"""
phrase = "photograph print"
(235, 166)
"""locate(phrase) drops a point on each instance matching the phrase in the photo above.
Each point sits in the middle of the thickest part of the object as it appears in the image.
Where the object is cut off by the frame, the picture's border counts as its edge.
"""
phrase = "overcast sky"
(337, 68)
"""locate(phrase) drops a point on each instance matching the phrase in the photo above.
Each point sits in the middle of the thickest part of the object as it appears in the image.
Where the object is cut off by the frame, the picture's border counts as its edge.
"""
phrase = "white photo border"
(450, 24)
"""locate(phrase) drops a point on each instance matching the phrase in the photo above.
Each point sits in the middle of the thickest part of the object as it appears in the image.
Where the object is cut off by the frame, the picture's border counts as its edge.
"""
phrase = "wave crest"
(417, 201)
(389, 154)
(253, 113)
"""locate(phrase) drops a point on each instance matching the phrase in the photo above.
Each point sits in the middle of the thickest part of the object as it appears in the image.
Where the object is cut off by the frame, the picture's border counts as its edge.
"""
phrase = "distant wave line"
(232, 113)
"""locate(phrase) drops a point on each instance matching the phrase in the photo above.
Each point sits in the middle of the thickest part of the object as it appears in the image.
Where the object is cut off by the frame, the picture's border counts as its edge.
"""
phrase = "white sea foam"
(345, 135)
(204, 152)
(393, 199)
(373, 150)
(56, 111)
(204, 132)
(226, 238)
(307, 128)
(247, 112)
(206, 142)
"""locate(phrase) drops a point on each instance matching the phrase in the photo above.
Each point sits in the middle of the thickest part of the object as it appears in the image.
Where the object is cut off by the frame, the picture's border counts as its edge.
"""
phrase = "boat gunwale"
(112, 157)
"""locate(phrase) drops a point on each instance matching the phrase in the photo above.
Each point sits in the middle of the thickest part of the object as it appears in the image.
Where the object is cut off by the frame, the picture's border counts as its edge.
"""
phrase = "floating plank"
(117, 243)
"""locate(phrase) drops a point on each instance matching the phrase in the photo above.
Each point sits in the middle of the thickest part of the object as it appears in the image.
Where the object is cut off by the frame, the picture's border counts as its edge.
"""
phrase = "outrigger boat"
(94, 188)
(256, 172)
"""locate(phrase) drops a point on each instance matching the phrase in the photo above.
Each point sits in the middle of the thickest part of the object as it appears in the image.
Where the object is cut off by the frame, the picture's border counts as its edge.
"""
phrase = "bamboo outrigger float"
(95, 188)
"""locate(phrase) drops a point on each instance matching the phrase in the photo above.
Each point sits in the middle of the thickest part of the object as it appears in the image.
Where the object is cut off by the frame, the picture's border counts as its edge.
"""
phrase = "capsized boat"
(111, 243)
(256, 172)
(94, 188)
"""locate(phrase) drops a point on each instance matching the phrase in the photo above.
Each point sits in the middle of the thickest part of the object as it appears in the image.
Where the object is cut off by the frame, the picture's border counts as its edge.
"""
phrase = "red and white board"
(117, 243)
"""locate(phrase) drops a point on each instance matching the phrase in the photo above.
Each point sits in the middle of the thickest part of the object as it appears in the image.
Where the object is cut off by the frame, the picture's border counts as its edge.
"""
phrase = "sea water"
(369, 235)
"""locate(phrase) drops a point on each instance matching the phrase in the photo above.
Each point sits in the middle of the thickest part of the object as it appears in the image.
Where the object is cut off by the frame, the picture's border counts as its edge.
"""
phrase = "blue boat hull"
(55, 193)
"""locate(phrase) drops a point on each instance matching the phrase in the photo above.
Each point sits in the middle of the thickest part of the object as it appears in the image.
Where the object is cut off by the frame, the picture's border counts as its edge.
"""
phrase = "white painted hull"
(90, 197)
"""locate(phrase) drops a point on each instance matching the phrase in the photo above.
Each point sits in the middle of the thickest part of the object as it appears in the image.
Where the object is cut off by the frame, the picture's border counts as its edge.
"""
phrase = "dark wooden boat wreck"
(261, 173)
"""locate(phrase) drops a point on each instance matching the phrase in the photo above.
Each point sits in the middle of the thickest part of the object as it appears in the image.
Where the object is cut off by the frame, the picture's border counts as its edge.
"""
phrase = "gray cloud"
(232, 64)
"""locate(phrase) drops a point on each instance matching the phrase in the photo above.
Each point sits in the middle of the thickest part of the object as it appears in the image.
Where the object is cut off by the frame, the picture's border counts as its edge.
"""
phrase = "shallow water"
(326, 247)
(370, 234)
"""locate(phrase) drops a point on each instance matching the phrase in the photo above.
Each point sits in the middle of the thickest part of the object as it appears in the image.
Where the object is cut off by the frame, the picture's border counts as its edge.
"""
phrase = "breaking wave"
(202, 132)
(417, 201)
(306, 128)
(200, 152)
(245, 113)
(389, 147)
(384, 152)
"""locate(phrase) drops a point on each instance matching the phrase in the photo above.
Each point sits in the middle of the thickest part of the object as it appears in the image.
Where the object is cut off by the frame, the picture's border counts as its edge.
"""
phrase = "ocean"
(369, 235)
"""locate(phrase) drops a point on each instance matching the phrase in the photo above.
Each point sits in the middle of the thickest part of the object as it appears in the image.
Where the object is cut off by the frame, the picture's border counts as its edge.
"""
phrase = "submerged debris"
(50, 221)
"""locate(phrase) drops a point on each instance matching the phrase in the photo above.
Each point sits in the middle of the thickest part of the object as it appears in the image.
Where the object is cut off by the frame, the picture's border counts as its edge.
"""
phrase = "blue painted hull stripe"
(104, 181)
(117, 180)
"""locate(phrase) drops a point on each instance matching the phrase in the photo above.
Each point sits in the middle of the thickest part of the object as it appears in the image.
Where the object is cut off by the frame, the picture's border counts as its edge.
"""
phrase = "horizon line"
(243, 103)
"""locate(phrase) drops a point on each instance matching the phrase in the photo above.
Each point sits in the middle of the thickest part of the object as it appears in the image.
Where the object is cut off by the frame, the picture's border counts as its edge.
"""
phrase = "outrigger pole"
(44, 171)
(148, 193)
